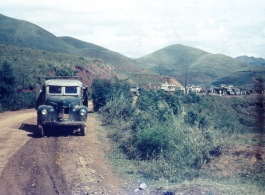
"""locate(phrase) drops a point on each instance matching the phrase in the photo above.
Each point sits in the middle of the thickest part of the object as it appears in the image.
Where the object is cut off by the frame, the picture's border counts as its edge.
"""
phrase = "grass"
(130, 170)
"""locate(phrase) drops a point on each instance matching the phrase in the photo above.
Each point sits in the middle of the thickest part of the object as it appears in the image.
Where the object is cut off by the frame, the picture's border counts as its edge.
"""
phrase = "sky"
(136, 28)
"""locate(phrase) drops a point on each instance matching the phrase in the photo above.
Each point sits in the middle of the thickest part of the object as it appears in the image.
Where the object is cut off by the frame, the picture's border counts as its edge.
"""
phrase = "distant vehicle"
(61, 102)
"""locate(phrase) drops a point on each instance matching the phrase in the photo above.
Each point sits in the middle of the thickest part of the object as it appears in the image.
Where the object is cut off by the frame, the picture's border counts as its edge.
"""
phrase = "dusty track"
(63, 162)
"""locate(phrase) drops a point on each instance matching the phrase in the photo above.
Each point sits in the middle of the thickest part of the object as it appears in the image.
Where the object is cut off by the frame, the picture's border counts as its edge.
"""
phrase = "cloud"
(136, 28)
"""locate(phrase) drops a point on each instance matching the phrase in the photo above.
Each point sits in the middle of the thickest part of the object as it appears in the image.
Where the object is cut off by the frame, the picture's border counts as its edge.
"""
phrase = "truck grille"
(63, 114)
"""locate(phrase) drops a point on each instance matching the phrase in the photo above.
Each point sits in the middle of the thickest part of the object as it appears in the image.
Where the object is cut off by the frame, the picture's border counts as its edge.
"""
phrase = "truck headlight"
(44, 112)
(82, 112)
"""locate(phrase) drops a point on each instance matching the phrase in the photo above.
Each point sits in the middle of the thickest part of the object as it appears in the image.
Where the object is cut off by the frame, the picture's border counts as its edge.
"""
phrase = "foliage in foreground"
(150, 133)
(172, 136)
(105, 90)
(9, 99)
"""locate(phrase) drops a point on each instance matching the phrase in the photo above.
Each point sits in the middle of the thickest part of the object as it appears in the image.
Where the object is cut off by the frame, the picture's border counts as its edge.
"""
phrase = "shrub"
(8, 82)
(192, 97)
(173, 103)
(192, 117)
(118, 109)
(104, 91)
(18, 101)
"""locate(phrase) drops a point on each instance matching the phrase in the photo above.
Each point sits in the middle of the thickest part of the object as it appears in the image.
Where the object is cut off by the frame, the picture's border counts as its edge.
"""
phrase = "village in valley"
(172, 86)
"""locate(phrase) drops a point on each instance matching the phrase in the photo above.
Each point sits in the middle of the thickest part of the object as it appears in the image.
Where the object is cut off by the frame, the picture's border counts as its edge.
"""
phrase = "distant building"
(168, 87)
(195, 89)
(223, 85)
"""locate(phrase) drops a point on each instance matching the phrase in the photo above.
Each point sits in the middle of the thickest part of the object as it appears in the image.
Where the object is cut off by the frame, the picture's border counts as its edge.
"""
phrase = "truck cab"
(61, 102)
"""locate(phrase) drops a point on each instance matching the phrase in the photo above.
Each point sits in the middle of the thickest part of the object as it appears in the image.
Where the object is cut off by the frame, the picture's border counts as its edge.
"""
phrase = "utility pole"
(186, 79)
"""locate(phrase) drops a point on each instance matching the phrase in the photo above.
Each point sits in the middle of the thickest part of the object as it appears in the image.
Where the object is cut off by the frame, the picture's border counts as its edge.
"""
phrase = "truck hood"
(63, 101)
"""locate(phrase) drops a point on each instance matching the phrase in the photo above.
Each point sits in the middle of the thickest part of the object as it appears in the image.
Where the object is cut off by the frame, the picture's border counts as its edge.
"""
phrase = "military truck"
(61, 101)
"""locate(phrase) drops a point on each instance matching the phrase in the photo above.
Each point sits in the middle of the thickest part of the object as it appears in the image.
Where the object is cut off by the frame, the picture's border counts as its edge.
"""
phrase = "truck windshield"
(71, 90)
(55, 89)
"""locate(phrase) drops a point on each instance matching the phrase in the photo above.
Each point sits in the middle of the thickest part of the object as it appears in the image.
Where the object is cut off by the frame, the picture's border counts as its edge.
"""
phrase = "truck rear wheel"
(40, 131)
(83, 130)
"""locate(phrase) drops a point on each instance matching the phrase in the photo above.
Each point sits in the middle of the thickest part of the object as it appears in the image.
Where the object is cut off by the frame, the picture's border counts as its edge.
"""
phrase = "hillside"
(247, 78)
(25, 34)
(252, 60)
(202, 67)
(118, 61)
(29, 63)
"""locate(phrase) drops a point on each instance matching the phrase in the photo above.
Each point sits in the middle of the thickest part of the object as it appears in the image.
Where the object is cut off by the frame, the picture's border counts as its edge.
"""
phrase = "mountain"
(247, 78)
(252, 60)
(202, 67)
(25, 34)
(117, 60)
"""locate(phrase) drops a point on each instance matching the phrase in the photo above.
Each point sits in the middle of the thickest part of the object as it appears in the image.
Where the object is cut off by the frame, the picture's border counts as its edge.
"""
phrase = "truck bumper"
(64, 123)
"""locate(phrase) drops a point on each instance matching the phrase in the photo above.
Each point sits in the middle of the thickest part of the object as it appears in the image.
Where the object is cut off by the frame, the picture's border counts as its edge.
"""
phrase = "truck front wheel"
(40, 131)
(83, 130)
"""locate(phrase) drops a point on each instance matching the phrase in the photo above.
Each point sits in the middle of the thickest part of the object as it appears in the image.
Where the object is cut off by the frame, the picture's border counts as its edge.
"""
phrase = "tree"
(8, 82)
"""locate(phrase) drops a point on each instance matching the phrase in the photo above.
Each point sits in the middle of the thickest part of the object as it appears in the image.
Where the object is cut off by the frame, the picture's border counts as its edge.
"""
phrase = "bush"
(8, 82)
(164, 145)
(104, 91)
(173, 103)
(101, 92)
(18, 101)
(9, 99)
(192, 97)
(192, 117)
(118, 109)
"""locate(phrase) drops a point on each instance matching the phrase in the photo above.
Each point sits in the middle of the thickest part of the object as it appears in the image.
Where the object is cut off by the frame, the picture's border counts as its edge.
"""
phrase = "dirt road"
(63, 162)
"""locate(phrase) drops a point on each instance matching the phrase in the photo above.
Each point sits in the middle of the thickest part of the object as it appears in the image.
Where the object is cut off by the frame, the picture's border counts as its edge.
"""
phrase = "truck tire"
(83, 130)
(40, 130)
